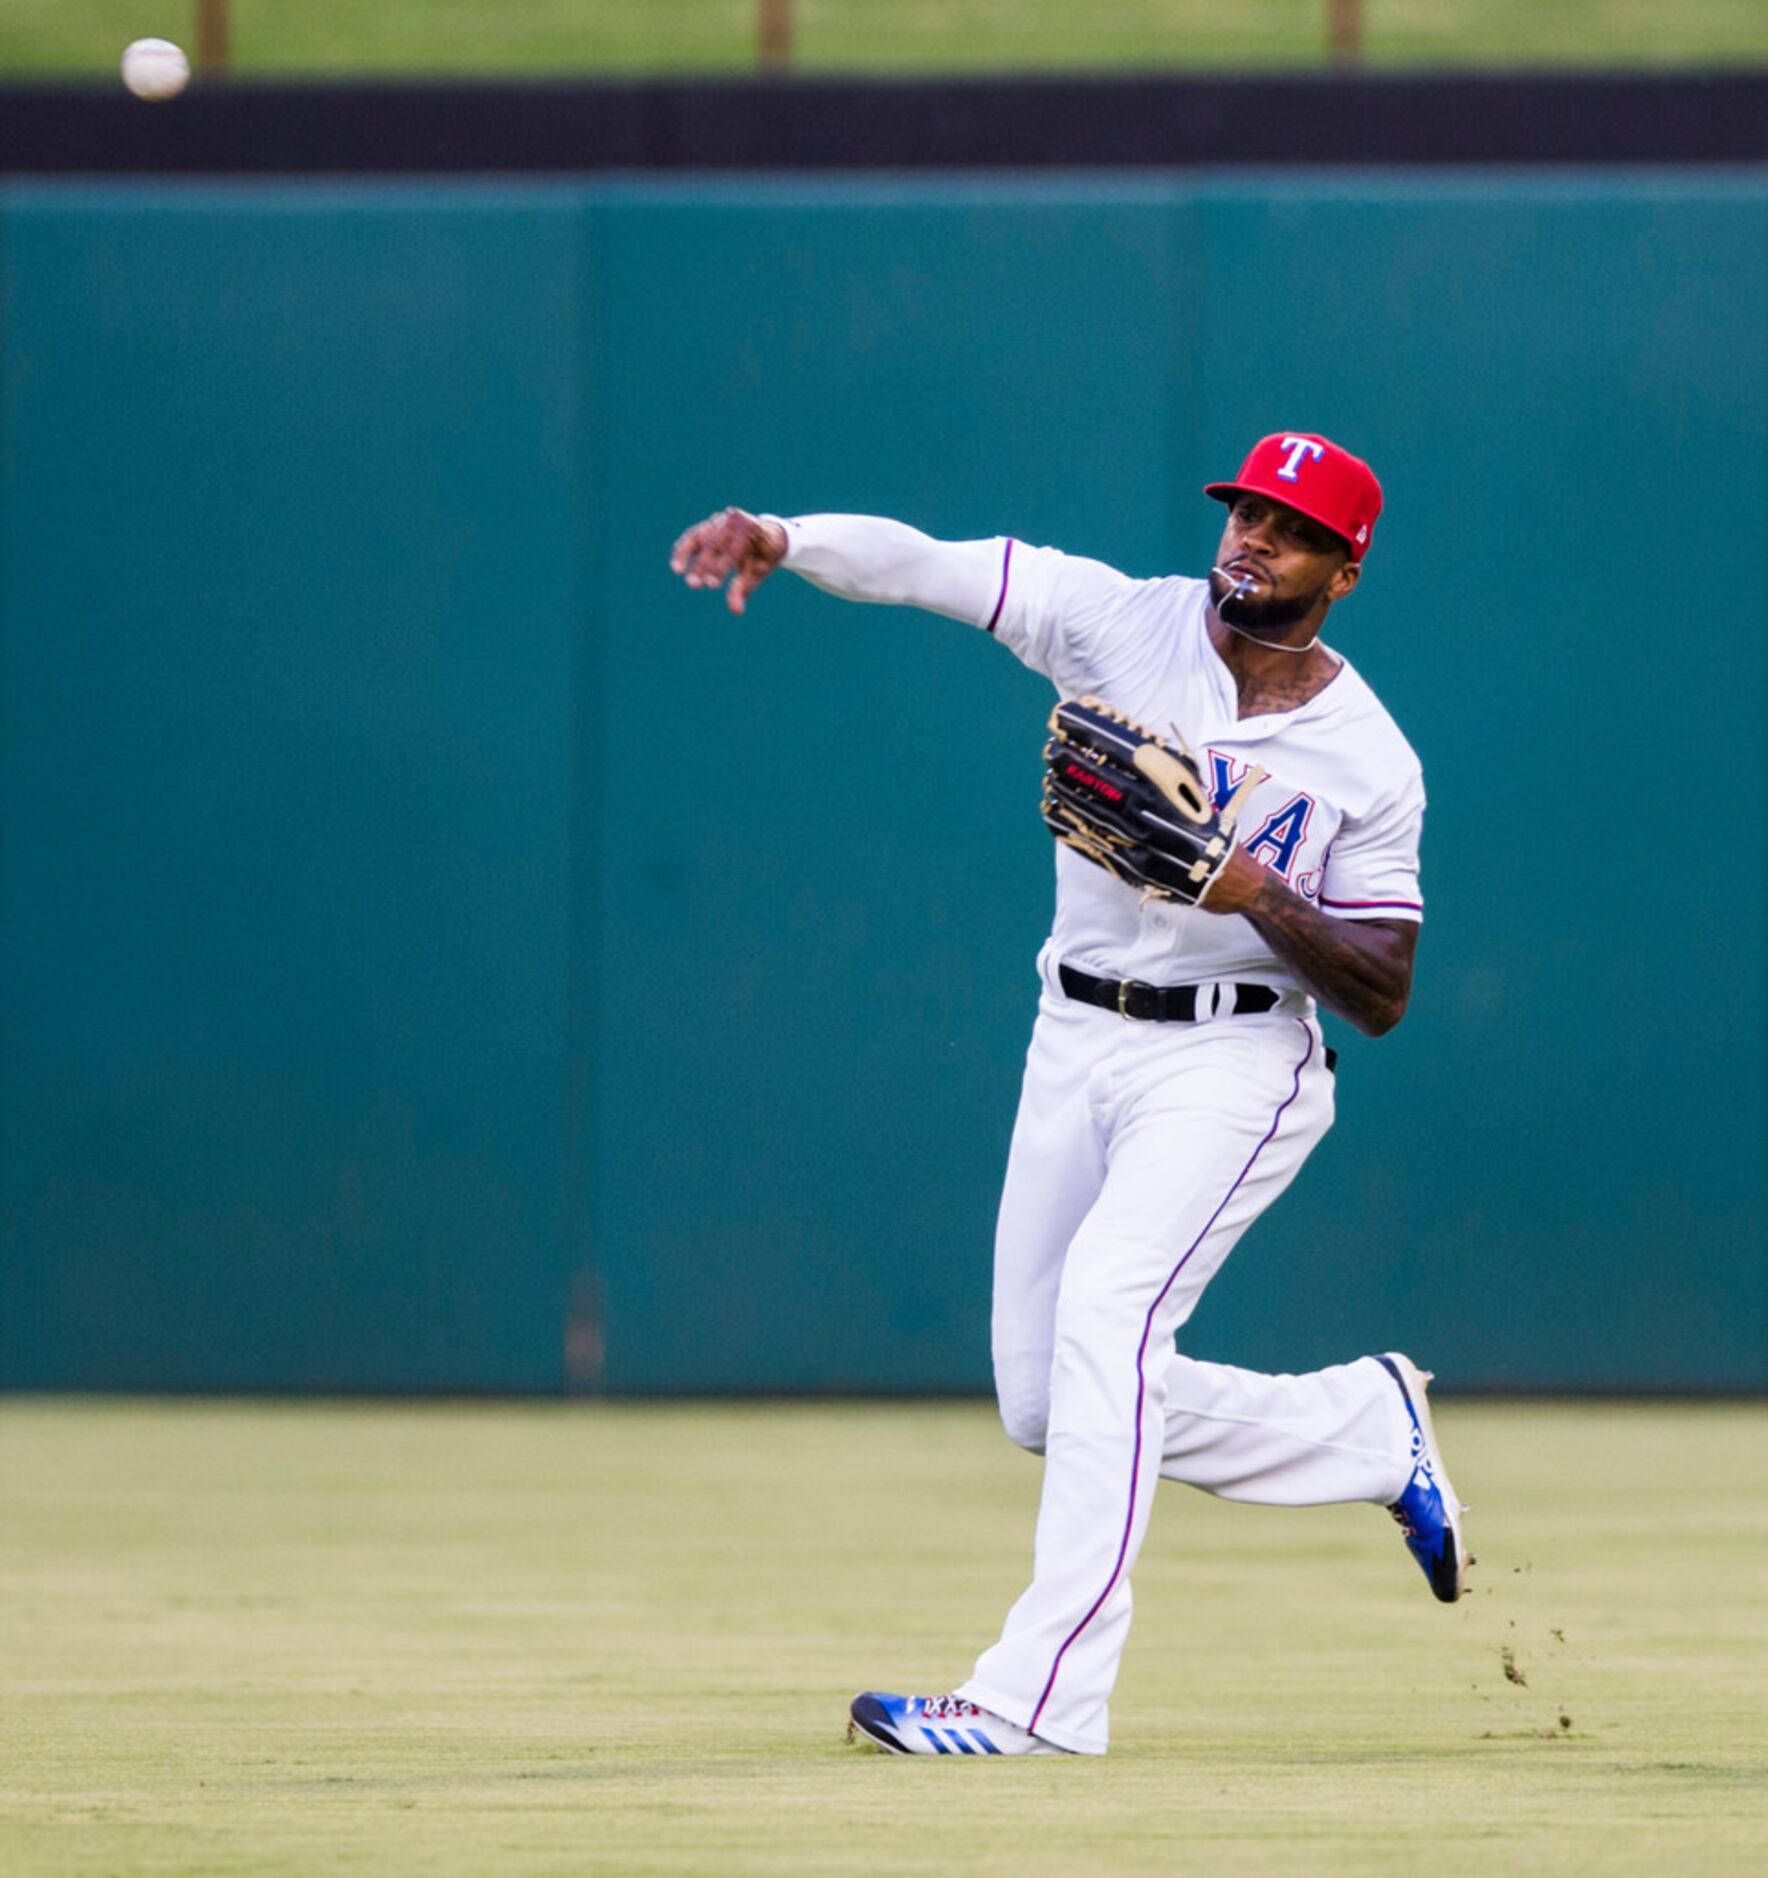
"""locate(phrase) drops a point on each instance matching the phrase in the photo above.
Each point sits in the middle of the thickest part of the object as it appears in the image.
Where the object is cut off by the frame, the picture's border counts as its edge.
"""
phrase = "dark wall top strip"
(960, 123)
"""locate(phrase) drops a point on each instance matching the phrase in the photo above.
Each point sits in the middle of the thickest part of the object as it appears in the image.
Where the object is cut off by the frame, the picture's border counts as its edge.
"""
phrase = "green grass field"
(517, 1639)
(503, 36)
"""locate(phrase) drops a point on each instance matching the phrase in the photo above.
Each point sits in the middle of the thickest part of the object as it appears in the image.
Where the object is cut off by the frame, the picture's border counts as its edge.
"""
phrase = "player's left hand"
(1138, 806)
(1237, 883)
(733, 542)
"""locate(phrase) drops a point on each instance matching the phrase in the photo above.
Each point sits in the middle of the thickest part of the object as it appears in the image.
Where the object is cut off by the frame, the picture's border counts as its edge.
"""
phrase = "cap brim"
(1226, 492)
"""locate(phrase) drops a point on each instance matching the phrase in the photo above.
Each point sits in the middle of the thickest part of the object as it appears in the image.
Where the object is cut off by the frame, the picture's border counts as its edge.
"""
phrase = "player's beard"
(1262, 619)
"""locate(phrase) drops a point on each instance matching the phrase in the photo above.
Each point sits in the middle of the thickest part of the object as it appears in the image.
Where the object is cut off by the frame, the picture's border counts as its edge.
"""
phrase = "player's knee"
(1022, 1390)
(1027, 1425)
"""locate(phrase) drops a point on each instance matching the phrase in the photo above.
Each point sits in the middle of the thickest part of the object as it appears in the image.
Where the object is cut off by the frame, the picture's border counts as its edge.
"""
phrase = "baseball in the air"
(155, 68)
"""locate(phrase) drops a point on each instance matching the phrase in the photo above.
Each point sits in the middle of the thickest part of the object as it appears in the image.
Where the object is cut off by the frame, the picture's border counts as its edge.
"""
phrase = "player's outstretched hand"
(732, 542)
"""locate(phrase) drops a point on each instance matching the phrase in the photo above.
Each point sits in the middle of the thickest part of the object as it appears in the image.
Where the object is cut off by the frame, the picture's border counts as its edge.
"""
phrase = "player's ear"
(1344, 579)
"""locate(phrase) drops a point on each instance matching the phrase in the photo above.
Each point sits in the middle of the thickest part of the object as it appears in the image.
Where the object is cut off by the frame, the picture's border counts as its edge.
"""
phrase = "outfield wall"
(385, 1005)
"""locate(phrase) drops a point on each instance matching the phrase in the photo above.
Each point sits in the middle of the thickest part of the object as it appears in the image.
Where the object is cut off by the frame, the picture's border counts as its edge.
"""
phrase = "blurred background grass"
(417, 37)
(621, 1638)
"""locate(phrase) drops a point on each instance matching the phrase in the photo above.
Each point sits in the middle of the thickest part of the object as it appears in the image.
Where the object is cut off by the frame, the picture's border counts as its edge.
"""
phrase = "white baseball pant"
(1141, 1153)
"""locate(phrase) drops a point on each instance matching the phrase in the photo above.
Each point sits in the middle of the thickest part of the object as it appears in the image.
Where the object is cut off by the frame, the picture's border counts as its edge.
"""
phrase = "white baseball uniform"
(1143, 1150)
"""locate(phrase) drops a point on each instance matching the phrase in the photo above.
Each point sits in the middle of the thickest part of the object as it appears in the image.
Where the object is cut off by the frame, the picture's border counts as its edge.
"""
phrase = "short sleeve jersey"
(1338, 817)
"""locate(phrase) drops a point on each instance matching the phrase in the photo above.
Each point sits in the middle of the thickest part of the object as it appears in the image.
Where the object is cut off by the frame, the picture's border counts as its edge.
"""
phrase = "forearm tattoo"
(1362, 969)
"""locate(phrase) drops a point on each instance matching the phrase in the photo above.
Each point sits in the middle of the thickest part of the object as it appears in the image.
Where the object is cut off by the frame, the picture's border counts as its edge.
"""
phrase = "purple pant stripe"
(994, 619)
(1142, 1373)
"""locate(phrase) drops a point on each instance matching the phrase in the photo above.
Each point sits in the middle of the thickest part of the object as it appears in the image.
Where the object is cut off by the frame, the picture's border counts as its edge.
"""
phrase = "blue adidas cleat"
(938, 1724)
(1428, 1512)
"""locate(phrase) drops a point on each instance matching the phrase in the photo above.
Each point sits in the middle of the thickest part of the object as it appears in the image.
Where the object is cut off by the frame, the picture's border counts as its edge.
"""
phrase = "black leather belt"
(1160, 1004)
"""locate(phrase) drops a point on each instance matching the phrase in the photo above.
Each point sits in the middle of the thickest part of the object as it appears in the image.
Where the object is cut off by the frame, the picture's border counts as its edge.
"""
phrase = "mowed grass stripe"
(621, 1638)
(553, 36)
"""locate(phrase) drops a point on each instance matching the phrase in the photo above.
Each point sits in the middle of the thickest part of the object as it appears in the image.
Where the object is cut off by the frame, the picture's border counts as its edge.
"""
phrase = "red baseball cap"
(1313, 476)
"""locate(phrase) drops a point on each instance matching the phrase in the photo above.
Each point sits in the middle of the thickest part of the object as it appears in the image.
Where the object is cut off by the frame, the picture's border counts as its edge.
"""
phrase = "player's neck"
(1278, 675)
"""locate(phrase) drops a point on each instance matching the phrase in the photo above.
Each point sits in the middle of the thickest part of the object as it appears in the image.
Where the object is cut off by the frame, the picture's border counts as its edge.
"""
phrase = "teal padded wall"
(382, 1008)
(286, 638)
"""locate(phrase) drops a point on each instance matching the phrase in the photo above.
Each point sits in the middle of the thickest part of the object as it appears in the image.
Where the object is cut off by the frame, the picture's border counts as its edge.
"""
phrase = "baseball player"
(1177, 1078)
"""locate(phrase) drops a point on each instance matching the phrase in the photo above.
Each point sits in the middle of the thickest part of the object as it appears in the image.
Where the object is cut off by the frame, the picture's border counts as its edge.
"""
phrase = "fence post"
(773, 35)
(1344, 32)
(211, 36)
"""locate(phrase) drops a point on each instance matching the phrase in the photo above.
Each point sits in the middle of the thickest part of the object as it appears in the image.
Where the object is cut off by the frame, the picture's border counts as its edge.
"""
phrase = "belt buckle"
(1123, 996)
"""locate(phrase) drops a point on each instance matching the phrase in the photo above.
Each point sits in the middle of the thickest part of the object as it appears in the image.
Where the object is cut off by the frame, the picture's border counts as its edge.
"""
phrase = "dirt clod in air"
(1565, 1721)
(1557, 1634)
(1507, 1656)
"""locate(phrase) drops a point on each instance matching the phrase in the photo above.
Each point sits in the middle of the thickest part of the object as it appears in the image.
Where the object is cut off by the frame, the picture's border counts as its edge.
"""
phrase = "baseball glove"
(1134, 804)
